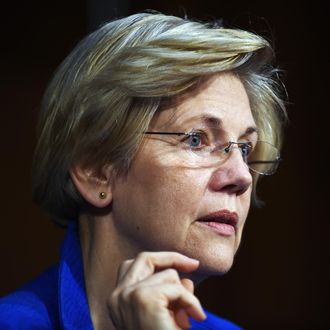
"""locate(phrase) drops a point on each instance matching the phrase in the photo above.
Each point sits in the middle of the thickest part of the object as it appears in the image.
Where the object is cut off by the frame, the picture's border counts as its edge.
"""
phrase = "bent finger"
(168, 296)
(182, 318)
(188, 284)
(147, 263)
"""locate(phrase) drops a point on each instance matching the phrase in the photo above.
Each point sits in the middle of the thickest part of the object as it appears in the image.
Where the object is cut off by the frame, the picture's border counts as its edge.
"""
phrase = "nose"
(233, 176)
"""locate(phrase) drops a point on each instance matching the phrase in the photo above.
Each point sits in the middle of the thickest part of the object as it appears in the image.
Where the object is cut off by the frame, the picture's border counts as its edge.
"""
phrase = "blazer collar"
(73, 305)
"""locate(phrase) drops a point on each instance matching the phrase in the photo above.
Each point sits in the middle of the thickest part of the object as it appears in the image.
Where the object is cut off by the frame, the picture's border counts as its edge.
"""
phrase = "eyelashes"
(196, 139)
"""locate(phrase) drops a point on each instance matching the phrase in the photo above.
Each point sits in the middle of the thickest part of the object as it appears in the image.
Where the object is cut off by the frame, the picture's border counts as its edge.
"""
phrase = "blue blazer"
(57, 298)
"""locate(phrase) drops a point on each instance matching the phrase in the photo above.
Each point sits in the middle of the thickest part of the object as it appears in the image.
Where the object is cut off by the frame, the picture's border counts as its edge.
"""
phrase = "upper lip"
(223, 216)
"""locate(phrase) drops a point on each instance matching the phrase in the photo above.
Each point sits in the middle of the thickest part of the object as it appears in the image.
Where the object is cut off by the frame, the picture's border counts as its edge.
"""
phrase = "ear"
(93, 186)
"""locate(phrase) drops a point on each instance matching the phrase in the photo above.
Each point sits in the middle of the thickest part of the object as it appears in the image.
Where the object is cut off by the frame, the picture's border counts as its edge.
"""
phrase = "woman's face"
(169, 201)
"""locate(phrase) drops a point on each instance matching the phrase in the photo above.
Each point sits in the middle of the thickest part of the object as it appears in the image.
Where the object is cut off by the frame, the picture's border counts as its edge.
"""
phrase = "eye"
(246, 149)
(195, 139)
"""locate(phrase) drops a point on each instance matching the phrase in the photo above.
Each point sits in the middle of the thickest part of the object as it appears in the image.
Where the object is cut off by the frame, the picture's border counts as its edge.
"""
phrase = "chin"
(206, 270)
(221, 267)
(215, 263)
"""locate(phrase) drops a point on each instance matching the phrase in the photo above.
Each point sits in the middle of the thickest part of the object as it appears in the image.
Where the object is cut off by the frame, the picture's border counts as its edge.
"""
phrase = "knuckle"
(173, 275)
(146, 258)
(143, 256)
(124, 296)
(114, 297)
(180, 289)
(139, 296)
(120, 296)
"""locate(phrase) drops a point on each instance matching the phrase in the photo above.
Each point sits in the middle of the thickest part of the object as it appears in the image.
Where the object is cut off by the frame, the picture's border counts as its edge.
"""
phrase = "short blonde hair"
(108, 89)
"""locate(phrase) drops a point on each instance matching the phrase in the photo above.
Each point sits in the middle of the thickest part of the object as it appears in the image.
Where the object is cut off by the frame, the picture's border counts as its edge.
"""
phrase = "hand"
(151, 296)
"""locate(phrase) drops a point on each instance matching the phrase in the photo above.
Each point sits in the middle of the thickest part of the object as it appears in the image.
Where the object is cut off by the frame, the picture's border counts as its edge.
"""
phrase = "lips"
(222, 222)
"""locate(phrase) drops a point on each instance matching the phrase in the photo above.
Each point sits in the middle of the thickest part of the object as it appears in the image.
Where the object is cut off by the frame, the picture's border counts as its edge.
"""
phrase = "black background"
(280, 279)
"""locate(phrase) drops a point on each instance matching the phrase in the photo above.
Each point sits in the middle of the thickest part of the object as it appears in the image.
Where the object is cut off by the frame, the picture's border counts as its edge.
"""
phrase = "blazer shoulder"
(33, 306)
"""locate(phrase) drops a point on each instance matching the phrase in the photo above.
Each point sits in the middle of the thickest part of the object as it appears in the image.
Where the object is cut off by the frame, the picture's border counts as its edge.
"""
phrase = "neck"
(102, 253)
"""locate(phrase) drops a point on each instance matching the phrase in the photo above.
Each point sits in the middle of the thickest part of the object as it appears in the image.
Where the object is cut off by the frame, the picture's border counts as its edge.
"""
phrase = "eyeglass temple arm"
(265, 161)
(166, 133)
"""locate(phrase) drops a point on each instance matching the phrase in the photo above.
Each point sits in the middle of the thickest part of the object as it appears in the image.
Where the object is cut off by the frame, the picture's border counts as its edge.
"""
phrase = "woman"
(153, 133)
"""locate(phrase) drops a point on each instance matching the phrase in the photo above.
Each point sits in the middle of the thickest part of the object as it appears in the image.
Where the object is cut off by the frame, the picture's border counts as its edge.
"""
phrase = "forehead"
(220, 101)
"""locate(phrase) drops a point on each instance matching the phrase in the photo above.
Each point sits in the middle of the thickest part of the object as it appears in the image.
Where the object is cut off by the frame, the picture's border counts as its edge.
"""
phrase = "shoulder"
(33, 306)
(214, 322)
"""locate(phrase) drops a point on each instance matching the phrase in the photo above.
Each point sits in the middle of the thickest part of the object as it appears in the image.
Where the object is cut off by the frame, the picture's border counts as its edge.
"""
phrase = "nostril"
(230, 188)
(236, 189)
(243, 189)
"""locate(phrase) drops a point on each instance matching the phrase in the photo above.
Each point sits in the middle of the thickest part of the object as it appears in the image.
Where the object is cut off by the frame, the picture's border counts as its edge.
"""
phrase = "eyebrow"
(212, 121)
(250, 130)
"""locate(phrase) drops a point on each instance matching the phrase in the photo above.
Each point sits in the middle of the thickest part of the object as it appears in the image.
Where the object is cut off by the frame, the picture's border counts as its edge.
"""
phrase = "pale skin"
(143, 255)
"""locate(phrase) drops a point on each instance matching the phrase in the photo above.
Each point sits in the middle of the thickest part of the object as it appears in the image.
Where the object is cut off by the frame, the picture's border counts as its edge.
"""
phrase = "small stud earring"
(102, 195)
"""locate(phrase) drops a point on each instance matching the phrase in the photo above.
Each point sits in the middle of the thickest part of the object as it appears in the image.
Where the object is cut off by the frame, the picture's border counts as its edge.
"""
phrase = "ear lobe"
(94, 187)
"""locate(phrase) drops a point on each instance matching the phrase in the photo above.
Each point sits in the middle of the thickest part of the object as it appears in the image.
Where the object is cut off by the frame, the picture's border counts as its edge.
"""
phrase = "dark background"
(280, 279)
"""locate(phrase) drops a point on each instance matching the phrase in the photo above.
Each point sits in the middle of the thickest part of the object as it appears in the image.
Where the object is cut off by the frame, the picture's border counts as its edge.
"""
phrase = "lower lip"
(223, 229)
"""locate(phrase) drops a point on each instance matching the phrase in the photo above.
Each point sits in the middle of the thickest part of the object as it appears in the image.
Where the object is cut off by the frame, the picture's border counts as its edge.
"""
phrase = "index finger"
(147, 263)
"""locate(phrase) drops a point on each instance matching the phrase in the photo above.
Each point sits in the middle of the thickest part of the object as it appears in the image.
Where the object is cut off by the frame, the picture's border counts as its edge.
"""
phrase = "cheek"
(154, 208)
(172, 191)
(159, 195)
